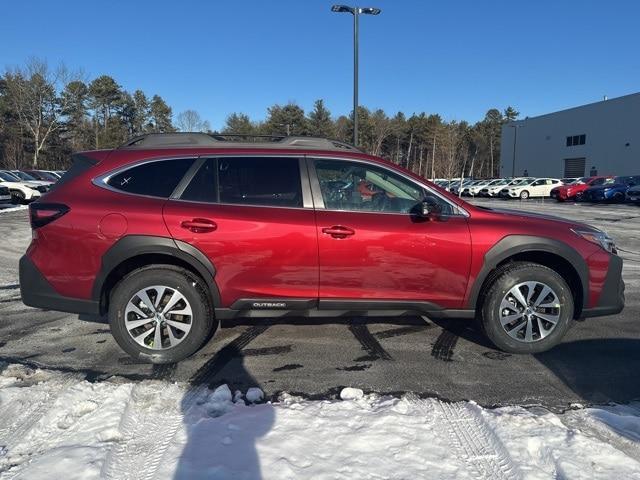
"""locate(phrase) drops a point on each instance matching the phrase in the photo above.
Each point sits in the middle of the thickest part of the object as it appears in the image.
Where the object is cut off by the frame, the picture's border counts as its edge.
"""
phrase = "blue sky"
(456, 58)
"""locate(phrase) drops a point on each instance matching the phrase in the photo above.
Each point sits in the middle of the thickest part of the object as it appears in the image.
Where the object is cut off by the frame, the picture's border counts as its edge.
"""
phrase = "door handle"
(338, 231)
(199, 225)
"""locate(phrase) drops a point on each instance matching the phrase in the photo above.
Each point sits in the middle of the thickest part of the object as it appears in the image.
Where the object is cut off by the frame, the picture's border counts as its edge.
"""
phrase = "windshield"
(24, 176)
(580, 181)
(48, 176)
(521, 181)
(501, 182)
(8, 177)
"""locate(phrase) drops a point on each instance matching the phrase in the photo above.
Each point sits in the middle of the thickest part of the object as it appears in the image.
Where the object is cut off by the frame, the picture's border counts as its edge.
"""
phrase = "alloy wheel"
(158, 317)
(530, 311)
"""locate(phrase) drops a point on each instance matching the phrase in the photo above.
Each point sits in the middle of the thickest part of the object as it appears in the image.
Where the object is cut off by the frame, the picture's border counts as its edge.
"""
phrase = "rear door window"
(156, 178)
(268, 181)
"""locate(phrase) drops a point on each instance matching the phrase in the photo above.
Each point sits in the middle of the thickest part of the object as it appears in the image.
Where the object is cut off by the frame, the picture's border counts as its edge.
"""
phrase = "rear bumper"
(37, 292)
(611, 299)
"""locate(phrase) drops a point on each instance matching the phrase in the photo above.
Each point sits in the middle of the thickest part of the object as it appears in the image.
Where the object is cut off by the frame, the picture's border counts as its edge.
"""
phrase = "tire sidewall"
(187, 285)
(490, 311)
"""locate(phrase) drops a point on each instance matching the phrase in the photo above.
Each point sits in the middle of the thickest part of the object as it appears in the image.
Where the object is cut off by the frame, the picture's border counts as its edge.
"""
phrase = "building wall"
(612, 129)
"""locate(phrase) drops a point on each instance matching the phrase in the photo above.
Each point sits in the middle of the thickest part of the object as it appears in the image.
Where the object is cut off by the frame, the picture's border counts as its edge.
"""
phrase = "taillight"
(43, 213)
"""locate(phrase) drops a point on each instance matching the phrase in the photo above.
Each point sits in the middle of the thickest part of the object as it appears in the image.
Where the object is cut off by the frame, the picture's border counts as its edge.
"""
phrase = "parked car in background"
(611, 190)
(633, 194)
(456, 187)
(26, 177)
(43, 175)
(19, 190)
(567, 181)
(187, 231)
(539, 187)
(474, 189)
(504, 191)
(495, 189)
(496, 184)
(575, 189)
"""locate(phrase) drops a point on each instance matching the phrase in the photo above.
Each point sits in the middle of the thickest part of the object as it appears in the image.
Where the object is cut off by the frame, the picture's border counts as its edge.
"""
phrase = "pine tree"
(319, 122)
(160, 115)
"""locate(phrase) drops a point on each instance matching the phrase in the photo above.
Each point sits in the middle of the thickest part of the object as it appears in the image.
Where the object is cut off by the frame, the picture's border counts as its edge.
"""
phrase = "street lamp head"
(370, 11)
(342, 9)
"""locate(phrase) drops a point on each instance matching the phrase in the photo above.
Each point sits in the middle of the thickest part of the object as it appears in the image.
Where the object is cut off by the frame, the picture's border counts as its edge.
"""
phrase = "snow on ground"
(12, 209)
(56, 425)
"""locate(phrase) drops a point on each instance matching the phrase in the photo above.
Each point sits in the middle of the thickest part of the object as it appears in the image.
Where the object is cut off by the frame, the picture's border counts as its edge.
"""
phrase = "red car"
(575, 189)
(171, 234)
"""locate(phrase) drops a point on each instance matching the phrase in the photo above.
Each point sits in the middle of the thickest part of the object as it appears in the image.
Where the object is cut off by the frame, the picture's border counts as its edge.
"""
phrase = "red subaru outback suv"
(171, 234)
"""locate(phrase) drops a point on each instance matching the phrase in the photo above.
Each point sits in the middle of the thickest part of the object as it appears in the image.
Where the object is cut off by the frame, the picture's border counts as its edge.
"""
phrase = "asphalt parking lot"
(598, 362)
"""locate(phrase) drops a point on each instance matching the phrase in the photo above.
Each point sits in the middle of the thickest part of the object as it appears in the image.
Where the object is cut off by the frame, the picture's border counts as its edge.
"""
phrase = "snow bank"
(57, 426)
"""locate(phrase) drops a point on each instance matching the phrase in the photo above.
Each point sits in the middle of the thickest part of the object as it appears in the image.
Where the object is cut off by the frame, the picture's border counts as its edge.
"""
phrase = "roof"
(605, 102)
(197, 139)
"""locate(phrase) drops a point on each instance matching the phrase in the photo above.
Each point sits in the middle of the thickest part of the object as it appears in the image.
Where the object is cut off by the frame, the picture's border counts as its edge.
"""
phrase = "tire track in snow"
(149, 423)
(476, 444)
(151, 420)
(19, 419)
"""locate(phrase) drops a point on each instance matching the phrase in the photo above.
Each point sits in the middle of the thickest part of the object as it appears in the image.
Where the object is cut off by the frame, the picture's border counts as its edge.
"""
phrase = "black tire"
(524, 195)
(618, 197)
(17, 197)
(502, 282)
(203, 324)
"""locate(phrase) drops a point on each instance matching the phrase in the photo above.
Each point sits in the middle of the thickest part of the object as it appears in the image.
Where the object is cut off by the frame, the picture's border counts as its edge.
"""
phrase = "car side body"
(306, 247)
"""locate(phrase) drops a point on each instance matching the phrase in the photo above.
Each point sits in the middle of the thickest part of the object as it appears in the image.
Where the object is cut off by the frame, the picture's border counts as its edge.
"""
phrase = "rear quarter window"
(157, 178)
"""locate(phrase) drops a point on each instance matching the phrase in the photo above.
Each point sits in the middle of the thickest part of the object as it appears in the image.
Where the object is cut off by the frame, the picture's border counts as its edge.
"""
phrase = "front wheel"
(161, 314)
(524, 195)
(17, 197)
(527, 309)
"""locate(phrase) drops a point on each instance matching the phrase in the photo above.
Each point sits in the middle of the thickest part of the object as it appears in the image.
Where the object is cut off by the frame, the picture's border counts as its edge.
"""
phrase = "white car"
(537, 187)
(21, 191)
(455, 188)
(475, 189)
(494, 190)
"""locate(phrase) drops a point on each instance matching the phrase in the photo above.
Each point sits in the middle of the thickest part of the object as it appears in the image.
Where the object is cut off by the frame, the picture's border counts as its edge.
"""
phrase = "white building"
(602, 136)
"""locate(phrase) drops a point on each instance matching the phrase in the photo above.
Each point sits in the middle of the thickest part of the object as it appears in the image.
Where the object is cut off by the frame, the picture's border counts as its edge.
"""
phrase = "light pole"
(356, 12)
(515, 127)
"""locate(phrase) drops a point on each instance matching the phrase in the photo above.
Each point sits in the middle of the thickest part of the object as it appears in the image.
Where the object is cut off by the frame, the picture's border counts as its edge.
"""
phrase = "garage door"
(574, 167)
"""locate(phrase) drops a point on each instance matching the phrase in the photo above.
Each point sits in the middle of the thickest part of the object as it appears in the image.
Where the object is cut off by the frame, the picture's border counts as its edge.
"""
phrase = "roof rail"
(199, 139)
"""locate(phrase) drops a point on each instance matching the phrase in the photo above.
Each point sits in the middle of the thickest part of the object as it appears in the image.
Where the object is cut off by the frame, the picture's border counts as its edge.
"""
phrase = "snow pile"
(58, 426)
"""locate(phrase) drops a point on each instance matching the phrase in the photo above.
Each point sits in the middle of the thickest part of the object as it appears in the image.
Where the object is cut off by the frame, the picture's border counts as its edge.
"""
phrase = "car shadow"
(597, 370)
(221, 437)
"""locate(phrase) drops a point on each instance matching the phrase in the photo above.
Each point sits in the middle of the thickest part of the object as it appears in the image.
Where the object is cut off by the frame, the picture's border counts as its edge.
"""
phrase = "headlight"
(599, 237)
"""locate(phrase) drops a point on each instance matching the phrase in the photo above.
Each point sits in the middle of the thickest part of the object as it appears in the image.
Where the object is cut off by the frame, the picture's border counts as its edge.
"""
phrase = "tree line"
(48, 113)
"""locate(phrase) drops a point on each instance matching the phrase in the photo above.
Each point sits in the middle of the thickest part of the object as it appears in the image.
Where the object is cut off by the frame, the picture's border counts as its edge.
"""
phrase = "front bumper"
(37, 292)
(611, 299)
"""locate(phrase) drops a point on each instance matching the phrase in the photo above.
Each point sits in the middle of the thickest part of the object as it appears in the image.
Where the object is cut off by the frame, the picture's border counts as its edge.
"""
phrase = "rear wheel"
(527, 309)
(161, 314)
(524, 195)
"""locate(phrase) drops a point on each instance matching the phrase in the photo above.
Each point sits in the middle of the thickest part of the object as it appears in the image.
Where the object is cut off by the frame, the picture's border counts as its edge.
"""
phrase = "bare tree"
(33, 91)
(190, 121)
(382, 128)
